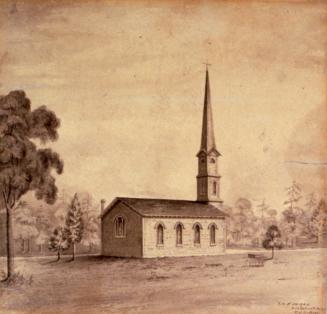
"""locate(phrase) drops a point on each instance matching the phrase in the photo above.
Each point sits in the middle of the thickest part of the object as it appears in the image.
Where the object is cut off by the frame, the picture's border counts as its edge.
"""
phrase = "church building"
(144, 227)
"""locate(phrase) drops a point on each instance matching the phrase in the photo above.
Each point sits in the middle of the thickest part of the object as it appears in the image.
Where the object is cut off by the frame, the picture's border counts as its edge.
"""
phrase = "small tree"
(272, 240)
(74, 224)
(58, 241)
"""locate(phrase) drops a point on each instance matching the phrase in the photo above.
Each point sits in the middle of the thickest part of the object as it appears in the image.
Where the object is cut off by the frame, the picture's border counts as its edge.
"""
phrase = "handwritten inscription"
(302, 308)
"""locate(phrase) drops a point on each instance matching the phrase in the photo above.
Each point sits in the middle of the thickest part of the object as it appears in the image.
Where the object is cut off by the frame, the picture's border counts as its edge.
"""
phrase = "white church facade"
(139, 227)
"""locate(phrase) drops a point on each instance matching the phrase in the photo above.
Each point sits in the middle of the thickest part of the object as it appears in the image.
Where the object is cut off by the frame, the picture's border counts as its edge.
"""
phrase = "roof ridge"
(158, 199)
(150, 207)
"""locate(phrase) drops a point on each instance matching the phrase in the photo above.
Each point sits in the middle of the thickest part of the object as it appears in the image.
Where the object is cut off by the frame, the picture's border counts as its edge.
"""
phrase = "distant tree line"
(41, 228)
(300, 223)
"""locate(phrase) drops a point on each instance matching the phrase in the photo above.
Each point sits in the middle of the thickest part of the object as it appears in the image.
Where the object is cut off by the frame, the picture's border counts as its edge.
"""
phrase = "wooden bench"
(256, 260)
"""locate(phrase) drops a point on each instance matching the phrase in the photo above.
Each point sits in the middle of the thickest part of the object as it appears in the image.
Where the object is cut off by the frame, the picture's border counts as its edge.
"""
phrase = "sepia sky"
(126, 78)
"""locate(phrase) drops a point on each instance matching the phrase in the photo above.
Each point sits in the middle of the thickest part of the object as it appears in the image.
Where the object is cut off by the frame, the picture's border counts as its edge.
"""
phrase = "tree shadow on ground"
(100, 258)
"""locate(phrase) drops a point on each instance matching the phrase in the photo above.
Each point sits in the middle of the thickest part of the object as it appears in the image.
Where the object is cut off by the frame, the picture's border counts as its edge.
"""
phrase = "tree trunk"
(73, 257)
(58, 256)
(9, 244)
(272, 253)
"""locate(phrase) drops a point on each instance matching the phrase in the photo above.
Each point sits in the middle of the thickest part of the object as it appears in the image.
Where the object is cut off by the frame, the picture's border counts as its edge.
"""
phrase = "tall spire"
(208, 143)
(208, 178)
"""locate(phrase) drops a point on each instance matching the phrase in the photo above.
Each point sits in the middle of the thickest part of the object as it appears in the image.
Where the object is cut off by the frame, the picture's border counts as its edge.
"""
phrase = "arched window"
(120, 227)
(212, 229)
(160, 234)
(212, 234)
(197, 233)
(179, 234)
(214, 188)
(212, 161)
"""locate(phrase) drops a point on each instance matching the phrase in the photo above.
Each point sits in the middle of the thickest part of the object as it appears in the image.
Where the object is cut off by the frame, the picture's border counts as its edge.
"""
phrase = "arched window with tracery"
(120, 227)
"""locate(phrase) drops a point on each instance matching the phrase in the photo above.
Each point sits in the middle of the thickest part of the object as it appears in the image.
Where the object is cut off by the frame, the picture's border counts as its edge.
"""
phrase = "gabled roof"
(148, 207)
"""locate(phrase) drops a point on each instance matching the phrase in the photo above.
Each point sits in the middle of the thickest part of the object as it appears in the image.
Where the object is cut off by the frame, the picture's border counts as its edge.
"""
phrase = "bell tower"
(208, 178)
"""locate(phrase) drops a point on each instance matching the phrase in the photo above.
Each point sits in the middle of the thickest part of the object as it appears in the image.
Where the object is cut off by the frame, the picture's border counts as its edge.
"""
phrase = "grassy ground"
(223, 284)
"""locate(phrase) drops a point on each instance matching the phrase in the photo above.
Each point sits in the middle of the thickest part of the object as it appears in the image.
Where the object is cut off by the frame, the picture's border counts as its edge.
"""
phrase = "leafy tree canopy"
(273, 238)
(58, 241)
(23, 167)
(74, 221)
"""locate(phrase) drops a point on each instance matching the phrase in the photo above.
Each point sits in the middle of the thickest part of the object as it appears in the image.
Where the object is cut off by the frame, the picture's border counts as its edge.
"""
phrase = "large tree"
(23, 166)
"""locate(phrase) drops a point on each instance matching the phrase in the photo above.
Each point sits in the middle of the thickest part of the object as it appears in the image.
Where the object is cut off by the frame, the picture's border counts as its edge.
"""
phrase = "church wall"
(169, 248)
(128, 246)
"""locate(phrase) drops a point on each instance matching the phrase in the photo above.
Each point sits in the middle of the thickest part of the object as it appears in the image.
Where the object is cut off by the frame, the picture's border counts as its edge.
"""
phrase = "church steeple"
(208, 179)
(208, 136)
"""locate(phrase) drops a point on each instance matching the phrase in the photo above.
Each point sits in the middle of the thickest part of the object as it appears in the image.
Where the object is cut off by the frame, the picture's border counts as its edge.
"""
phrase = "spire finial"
(207, 65)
